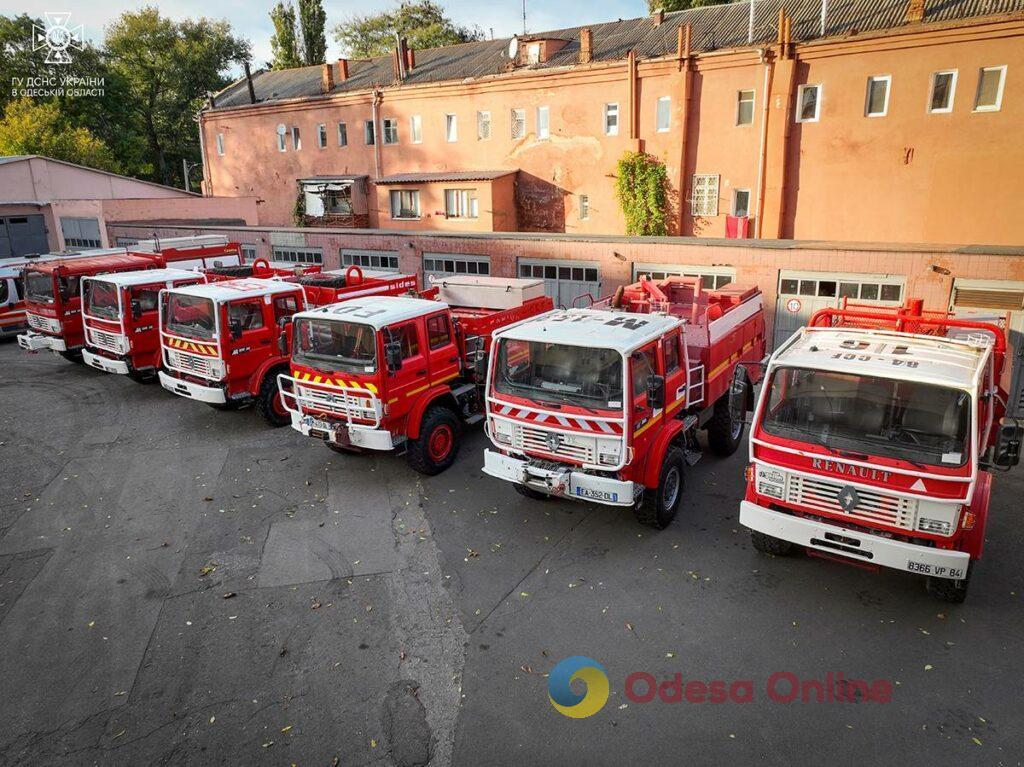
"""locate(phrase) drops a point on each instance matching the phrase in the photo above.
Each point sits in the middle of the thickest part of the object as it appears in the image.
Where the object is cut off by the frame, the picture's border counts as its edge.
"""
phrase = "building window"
(940, 99)
(664, 114)
(416, 129)
(745, 107)
(248, 252)
(447, 264)
(990, 89)
(296, 138)
(483, 126)
(81, 232)
(611, 119)
(342, 135)
(390, 130)
(518, 123)
(741, 202)
(704, 195)
(584, 207)
(808, 103)
(533, 53)
(338, 201)
(543, 122)
(321, 136)
(877, 98)
(368, 259)
(461, 203)
(369, 133)
(282, 133)
(451, 128)
(298, 255)
(405, 203)
(220, 144)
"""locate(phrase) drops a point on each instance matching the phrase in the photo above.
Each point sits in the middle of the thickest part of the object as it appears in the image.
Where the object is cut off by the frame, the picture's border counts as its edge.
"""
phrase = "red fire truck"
(603, 404)
(402, 372)
(873, 441)
(53, 289)
(224, 343)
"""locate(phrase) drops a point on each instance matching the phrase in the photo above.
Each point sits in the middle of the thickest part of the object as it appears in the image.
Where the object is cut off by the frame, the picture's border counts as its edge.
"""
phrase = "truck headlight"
(936, 526)
(609, 452)
(770, 482)
(217, 368)
(501, 432)
(937, 518)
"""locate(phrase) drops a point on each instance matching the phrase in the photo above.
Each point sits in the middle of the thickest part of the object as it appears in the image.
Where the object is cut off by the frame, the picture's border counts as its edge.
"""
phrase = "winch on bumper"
(212, 394)
(855, 545)
(560, 480)
(107, 365)
(35, 342)
(343, 434)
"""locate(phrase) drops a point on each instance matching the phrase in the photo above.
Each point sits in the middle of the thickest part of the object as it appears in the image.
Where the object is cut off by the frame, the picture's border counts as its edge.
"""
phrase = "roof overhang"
(443, 177)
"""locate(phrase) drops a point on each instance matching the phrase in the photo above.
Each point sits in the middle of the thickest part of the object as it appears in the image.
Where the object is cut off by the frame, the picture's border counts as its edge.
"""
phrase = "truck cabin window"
(558, 374)
(39, 287)
(337, 345)
(907, 420)
(70, 287)
(189, 316)
(245, 315)
(101, 299)
(145, 298)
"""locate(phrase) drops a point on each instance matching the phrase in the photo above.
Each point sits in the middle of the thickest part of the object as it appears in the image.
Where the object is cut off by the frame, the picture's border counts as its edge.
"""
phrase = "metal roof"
(594, 328)
(376, 311)
(459, 175)
(713, 27)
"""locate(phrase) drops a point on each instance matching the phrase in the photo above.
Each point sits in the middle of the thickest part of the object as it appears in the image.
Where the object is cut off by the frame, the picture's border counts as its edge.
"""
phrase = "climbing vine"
(299, 211)
(642, 191)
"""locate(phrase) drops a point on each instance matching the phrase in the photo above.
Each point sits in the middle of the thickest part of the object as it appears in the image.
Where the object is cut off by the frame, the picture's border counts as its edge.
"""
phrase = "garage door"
(378, 260)
(993, 300)
(564, 281)
(711, 276)
(81, 232)
(801, 294)
(439, 265)
(22, 236)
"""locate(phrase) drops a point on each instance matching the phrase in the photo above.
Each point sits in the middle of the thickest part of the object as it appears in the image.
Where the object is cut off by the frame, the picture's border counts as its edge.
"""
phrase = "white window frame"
(800, 103)
(369, 132)
(584, 207)
(441, 265)
(461, 203)
(952, 92)
(451, 128)
(220, 144)
(321, 135)
(666, 103)
(1001, 69)
(533, 53)
(483, 118)
(740, 101)
(543, 122)
(282, 138)
(611, 109)
(706, 204)
(389, 124)
(380, 260)
(517, 116)
(416, 206)
(342, 134)
(416, 129)
(296, 138)
(735, 199)
(887, 79)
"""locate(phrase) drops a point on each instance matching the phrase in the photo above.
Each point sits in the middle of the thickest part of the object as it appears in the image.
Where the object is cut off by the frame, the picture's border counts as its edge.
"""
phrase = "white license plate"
(939, 571)
(597, 495)
(316, 423)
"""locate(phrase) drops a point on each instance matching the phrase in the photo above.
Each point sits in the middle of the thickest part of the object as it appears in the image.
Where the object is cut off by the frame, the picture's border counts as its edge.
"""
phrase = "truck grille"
(44, 324)
(339, 404)
(196, 364)
(565, 445)
(112, 342)
(873, 507)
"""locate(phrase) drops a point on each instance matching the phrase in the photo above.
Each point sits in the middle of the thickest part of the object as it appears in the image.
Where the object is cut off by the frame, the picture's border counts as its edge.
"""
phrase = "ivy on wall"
(299, 211)
(642, 191)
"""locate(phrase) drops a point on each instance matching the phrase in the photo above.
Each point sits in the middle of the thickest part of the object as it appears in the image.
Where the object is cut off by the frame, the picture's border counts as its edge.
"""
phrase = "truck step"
(461, 391)
(692, 457)
(475, 418)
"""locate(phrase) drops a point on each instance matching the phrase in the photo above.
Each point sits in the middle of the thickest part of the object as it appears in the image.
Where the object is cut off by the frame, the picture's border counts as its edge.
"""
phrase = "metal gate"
(993, 300)
(22, 236)
(801, 294)
(564, 281)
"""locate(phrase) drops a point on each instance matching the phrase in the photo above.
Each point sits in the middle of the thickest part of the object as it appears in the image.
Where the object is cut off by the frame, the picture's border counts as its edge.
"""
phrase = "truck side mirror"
(393, 356)
(284, 322)
(235, 326)
(1006, 452)
(136, 309)
(738, 394)
(655, 392)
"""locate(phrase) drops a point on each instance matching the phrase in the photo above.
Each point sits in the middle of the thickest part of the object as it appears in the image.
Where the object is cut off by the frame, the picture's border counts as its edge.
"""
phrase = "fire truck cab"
(604, 404)
(872, 442)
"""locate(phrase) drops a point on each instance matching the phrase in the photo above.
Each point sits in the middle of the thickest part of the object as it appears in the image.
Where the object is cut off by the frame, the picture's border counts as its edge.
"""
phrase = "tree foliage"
(313, 23)
(284, 43)
(39, 127)
(423, 22)
(641, 187)
(680, 5)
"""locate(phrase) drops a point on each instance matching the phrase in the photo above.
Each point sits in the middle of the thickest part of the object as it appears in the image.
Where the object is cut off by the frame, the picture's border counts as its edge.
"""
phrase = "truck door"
(141, 321)
(442, 351)
(247, 342)
(643, 363)
(413, 378)
(284, 307)
(675, 378)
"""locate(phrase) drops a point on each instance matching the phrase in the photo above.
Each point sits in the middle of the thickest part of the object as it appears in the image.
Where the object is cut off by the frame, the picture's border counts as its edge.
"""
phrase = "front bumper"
(35, 342)
(211, 394)
(107, 365)
(563, 481)
(354, 435)
(855, 546)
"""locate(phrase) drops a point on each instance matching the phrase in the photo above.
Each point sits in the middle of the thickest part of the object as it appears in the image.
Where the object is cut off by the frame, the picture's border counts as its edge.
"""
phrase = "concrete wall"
(39, 178)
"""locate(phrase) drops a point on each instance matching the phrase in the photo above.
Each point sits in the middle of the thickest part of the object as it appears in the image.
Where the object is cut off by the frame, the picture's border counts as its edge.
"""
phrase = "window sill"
(978, 110)
(406, 218)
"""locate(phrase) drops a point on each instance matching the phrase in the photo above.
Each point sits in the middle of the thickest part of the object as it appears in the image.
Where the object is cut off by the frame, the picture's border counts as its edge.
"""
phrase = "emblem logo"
(848, 499)
(554, 442)
(58, 37)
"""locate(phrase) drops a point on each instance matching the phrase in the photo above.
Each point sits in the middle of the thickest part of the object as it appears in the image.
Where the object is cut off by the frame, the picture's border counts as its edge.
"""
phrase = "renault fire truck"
(405, 373)
(225, 342)
(873, 441)
(53, 295)
(603, 404)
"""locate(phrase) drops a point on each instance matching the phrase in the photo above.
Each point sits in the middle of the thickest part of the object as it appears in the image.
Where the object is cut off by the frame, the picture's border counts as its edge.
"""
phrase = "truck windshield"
(335, 344)
(906, 420)
(101, 299)
(556, 373)
(190, 316)
(39, 287)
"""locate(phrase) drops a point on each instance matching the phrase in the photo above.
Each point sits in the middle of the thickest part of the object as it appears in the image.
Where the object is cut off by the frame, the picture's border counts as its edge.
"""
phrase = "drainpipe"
(762, 152)
(207, 183)
(377, 138)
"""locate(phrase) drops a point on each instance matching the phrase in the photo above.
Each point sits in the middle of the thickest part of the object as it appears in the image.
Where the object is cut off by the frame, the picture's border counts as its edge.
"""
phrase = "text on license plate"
(939, 571)
(598, 495)
(316, 423)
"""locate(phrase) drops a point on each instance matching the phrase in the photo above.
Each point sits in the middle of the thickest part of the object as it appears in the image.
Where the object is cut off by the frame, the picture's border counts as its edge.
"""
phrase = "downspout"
(683, 52)
(207, 184)
(762, 151)
(377, 138)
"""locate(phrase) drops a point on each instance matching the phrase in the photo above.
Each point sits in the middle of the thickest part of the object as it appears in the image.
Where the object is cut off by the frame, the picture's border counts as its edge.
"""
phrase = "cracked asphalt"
(183, 586)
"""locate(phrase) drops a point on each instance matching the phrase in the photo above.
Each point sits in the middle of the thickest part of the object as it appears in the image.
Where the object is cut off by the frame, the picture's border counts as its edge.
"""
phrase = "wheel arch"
(671, 431)
(270, 367)
(437, 395)
(974, 539)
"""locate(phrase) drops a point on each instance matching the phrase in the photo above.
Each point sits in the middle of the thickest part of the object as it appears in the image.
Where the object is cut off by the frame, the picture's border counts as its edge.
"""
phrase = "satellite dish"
(281, 129)
(513, 47)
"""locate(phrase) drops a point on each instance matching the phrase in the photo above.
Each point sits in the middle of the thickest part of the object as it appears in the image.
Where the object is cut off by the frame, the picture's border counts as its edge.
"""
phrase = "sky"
(249, 17)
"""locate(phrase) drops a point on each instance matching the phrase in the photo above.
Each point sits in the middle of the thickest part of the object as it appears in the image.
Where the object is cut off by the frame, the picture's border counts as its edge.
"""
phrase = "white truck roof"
(955, 362)
(243, 287)
(145, 277)
(602, 329)
(377, 311)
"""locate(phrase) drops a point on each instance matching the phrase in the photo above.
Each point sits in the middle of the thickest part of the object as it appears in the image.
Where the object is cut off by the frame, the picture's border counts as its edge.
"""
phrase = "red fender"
(670, 429)
(271, 367)
(974, 539)
(426, 399)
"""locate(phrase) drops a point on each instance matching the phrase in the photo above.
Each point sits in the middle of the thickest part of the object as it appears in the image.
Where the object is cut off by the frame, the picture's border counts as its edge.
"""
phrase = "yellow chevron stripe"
(372, 388)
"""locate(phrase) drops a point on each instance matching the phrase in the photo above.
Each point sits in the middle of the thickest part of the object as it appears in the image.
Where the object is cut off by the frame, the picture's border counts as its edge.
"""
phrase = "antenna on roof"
(524, 17)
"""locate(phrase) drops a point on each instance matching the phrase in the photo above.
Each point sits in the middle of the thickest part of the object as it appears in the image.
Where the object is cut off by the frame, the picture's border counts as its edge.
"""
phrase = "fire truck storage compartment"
(488, 292)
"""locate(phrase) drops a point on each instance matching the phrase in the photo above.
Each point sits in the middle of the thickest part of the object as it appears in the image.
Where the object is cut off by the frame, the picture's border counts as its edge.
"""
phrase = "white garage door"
(378, 260)
(564, 281)
(711, 276)
(447, 264)
(801, 294)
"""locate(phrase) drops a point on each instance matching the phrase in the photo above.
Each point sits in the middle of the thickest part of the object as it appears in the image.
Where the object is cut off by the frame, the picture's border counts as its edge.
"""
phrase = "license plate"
(316, 423)
(597, 495)
(939, 571)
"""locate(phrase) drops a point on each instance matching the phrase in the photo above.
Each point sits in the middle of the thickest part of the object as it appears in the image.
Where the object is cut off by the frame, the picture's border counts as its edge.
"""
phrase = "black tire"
(658, 506)
(269, 404)
(438, 444)
(725, 433)
(74, 355)
(768, 544)
(949, 590)
(529, 492)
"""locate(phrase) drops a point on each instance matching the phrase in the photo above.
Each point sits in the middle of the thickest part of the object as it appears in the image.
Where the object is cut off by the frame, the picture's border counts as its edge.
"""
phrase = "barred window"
(704, 195)
(483, 125)
(518, 123)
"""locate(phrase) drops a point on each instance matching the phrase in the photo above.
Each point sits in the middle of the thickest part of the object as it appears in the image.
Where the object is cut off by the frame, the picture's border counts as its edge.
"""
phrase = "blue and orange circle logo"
(573, 704)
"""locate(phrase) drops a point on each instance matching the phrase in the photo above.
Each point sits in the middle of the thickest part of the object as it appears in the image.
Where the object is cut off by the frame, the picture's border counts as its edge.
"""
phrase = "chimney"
(410, 59)
(659, 17)
(327, 79)
(915, 12)
(342, 70)
(586, 45)
(248, 81)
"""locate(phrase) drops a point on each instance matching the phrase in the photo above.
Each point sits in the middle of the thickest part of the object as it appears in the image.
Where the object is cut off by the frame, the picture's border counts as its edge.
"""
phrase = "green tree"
(641, 186)
(168, 68)
(39, 127)
(423, 22)
(681, 5)
(284, 43)
(313, 23)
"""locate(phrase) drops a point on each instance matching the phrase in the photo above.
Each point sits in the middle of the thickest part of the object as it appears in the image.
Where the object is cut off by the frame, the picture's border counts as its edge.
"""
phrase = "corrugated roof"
(713, 27)
(458, 175)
